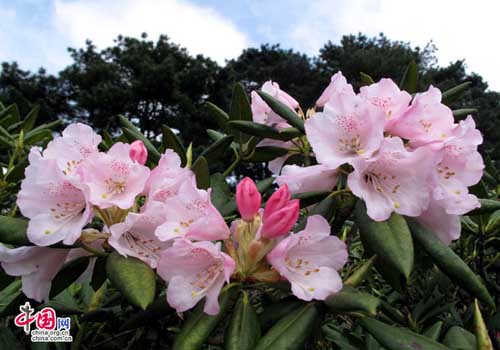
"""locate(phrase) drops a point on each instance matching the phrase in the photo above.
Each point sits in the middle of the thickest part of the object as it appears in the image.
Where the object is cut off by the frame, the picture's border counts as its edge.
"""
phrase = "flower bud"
(248, 199)
(138, 152)
(278, 200)
(281, 222)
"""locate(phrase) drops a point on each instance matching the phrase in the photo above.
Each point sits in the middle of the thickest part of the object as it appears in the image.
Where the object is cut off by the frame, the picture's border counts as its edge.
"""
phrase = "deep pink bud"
(281, 222)
(278, 200)
(138, 152)
(248, 198)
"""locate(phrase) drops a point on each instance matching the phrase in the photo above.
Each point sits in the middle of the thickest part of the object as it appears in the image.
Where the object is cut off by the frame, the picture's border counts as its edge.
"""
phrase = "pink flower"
(191, 214)
(136, 235)
(338, 85)
(347, 129)
(55, 203)
(112, 178)
(166, 178)
(310, 260)
(248, 198)
(447, 227)
(281, 221)
(138, 152)
(393, 180)
(194, 271)
(263, 114)
(386, 96)
(308, 179)
(426, 120)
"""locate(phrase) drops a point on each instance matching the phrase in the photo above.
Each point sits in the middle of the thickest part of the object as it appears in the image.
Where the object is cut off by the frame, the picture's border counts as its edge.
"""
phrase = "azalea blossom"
(112, 178)
(310, 259)
(346, 129)
(393, 180)
(192, 215)
(136, 235)
(194, 271)
(308, 179)
(387, 97)
(55, 203)
(338, 85)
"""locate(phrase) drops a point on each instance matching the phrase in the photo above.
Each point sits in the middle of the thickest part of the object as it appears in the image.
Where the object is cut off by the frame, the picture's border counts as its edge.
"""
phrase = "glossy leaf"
(170, 140)
(243, 331)
(240, 110)
(461, 113)
(13, 231)
(68, 274)
(358, 276)
(454, 93)
(267, 154)
(434, 331)
(264, 131)
(410, 78)
(30, 120)
(216, 150)
(202, 173)
(349, 299)
(487, 206)
(220, 117)
(366, 79)
(276, 311)
(459, 339)
(283, 111)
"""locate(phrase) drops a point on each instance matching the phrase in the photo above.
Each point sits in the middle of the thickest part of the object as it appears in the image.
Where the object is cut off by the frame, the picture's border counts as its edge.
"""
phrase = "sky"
(37, 33)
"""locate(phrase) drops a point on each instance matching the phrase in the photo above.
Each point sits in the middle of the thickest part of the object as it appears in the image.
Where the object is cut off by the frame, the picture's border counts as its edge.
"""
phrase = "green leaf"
(487, 206)
(366, 79)
(221, 193)
(395, 338)
(220, 117)
(358, 276)
(170, 140)
(9, 115)
(17, 172)
(292, 331)
(30, 120)
(202, 173)
(390, 240)
(450, 263)
(276, 311)
(240, 110)
(199, 325)
(325, 208)
(243, 331)
(34, 137)
(434, 331)
(464, 112)
(493, 223)
(135, 279)
(214, 134)
(158, 310)
(215, 152)
(266, 154)
(13, 231)
(410, 78)
(459, 339)
(310, 198)
(483, 341)
(8, 340)
(98, 273)
(452, 94)
(4, 133)
(264, 131)
(68, 274)
(283, 111)
(132, 135)
(349, 299)
(343, 341)
(8, 295)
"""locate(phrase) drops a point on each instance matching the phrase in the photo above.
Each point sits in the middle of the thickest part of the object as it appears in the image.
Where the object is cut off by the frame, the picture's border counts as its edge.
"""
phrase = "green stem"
(91, 250)
(232, 167)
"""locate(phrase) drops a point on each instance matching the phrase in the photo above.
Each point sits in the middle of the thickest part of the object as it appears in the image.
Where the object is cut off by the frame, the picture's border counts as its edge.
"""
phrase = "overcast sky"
(37, 32)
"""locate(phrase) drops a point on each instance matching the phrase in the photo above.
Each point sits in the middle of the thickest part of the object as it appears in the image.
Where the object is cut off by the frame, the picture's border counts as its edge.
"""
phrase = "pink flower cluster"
(160, 217)
(402, 154)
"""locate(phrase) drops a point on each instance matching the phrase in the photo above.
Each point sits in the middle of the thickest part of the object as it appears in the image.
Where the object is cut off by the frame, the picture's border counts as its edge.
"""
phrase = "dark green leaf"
(310, 198)
(410, 78)
(215, 152)
(264, 131)
(158, 310)
(221, 193)
(458, 338)
(220, 117)
(30, 120)
(267, 154)
(13, 231)
(240, 110)
(452, 94)
(243, 331)
(8, 340)
(487, 206)
(170, 140)
(283, 111)
(133, 135)
(99, 273)
(202, 173)
(358, 276)
(461, 113)
(349, 299)
(40, 135)
(274, 312)
(434, 331)
(366, 79)
(68, 274)
(8, 295)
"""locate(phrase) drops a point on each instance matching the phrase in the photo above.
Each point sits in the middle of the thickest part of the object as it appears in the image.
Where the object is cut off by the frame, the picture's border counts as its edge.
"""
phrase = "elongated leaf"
(244, 331)
(68, 274)
(292, 331)
(220, 117)
(410, 78)
(133, 278)
(349, 299)
(394, 338)
(221, 193)
(450, 263)
(483, 341)
(34, 137)
(199, 325)
(133, 135)
(13, 231)
(493, 222)
(434, 331)
(170, 140)
(267, 154)
(215, 152)
(30, 120)
(17, 172)
(458, 338)
(461, 113)
(214, 134)
(8, 340)
(487, 206)
(240, 110)
(366, 79)
(283, 111)
(158, 310)
(202, 173)
(274, 312)
(8, 295)
(390, 240)
(265, 131)
(358, 276)
(452, 94)
(310, 198)
(99, 273)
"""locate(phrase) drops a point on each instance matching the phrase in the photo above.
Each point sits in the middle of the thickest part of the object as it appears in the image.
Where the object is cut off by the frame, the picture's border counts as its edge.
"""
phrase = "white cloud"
(201, 30)
(459, 29)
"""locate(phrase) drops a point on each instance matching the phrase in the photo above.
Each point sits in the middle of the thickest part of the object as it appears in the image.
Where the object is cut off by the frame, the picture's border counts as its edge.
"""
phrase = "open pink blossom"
(308, 179)
(194, 271)
(112, 178)
(136, 235)
(310, 260)
(191, 214)
(393, 180)
(338, 84)
(347, 129)
(77, 143)
(387, 97)
(447, 227)
(263, 114)
(55, 203)
(166, 178)
(426, 120)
